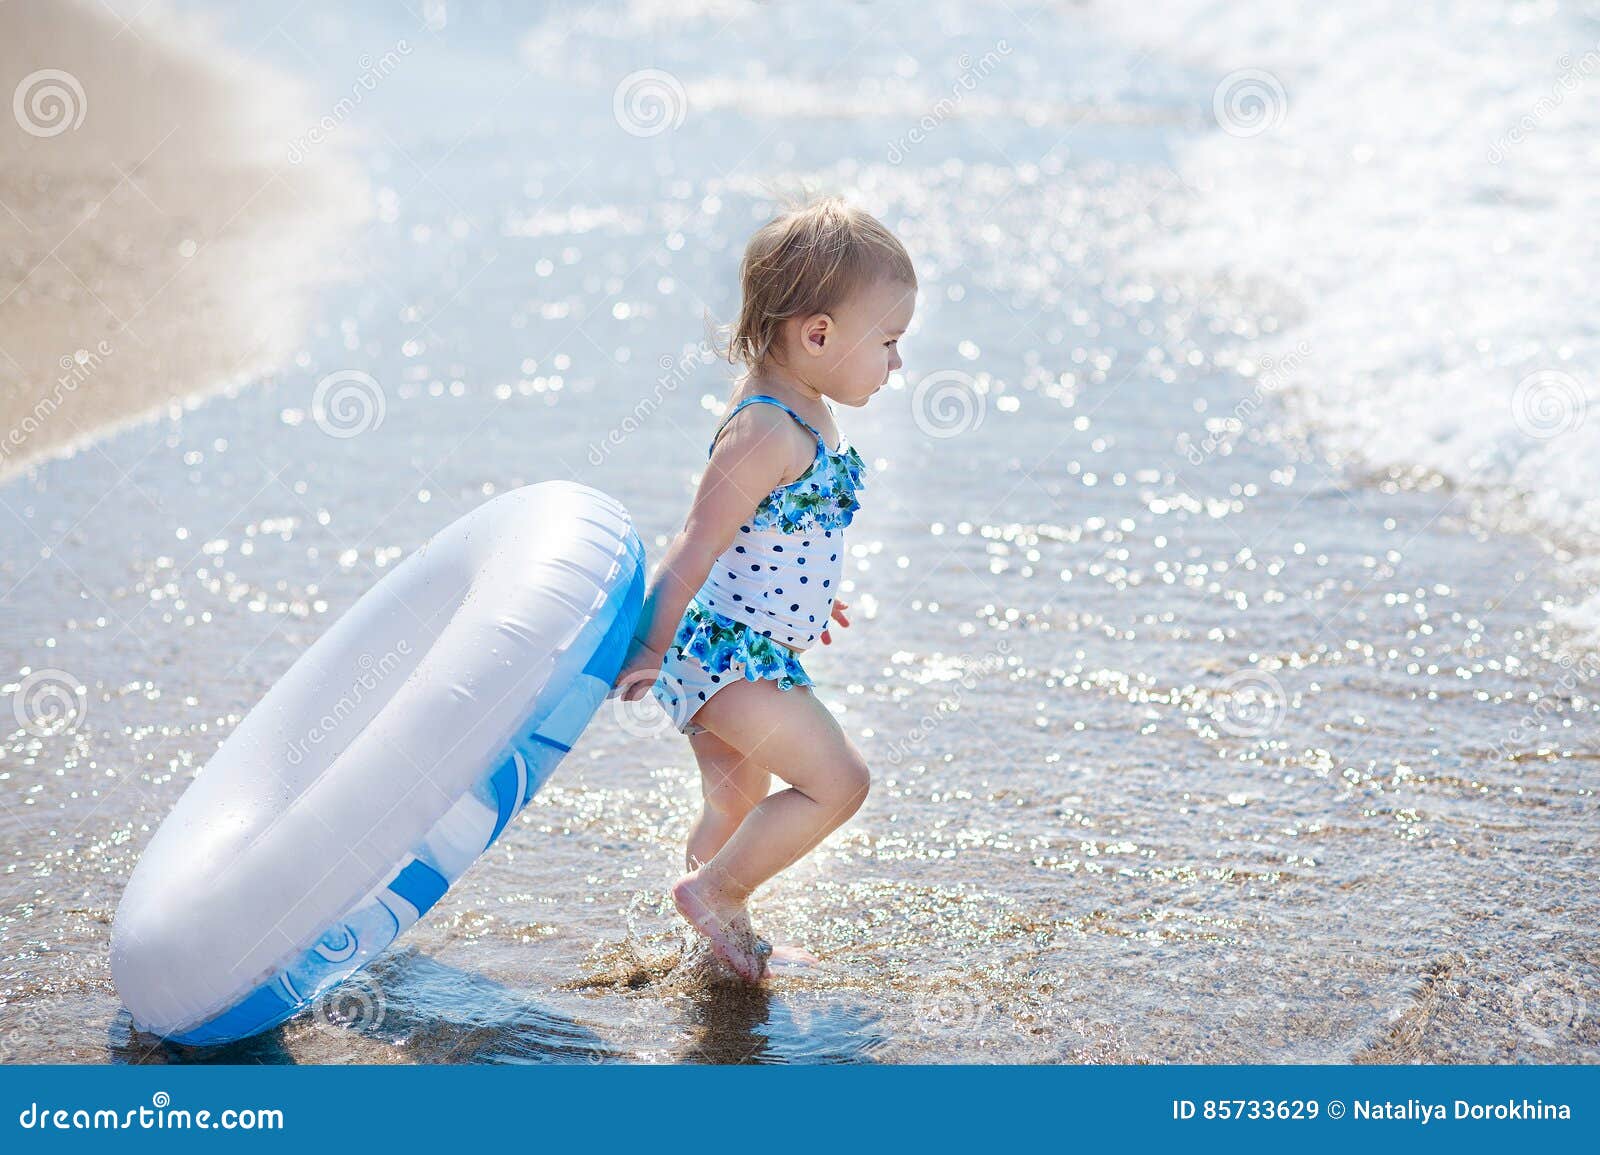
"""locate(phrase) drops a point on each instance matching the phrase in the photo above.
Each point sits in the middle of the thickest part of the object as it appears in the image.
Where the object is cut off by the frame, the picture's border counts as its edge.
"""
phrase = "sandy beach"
(1223, 645)
(156, 238)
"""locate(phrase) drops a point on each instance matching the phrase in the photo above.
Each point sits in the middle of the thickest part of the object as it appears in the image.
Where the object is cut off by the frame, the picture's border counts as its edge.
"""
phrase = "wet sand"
(155, 238)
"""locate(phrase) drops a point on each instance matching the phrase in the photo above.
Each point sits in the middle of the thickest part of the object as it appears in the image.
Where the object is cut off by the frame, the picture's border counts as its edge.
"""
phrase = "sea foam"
(1418, 181)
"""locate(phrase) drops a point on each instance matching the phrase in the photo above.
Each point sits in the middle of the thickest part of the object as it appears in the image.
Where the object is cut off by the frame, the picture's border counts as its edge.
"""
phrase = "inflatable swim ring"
(376, 771)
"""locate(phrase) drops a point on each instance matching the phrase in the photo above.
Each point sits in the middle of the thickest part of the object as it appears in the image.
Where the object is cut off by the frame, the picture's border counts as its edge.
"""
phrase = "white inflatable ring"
(388, 758)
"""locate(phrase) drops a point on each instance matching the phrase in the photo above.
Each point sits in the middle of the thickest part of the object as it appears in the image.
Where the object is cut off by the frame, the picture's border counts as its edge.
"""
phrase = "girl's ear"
(815, 333)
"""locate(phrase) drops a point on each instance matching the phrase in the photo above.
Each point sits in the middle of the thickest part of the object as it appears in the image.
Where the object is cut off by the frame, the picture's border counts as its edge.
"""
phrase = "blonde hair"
(809, 259)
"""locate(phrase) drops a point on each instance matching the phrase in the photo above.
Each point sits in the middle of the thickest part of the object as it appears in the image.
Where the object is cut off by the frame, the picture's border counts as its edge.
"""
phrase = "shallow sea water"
(1187, 747)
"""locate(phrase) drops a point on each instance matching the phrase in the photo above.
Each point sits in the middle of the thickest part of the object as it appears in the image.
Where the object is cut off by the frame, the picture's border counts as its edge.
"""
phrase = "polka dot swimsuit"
(771, 592)
(781, 574)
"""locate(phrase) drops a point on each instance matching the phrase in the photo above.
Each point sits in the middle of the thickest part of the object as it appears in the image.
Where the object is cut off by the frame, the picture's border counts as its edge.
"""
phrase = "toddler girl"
(752, 579)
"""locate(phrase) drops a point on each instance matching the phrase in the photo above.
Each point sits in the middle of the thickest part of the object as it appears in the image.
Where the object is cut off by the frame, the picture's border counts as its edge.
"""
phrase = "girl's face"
(854, 349)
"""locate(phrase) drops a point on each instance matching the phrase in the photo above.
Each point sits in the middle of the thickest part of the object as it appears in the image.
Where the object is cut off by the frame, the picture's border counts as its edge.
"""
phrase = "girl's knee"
(854, 783)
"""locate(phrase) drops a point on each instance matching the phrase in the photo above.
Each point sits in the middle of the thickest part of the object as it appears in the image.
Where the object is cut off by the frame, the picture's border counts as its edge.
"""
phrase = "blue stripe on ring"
(506, 795)
(261, 1008)
(608, 655)
(420, 885)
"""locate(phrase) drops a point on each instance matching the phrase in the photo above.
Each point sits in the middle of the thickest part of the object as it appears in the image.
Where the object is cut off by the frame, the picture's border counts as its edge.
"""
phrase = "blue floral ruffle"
(717, 643)
(824, 497)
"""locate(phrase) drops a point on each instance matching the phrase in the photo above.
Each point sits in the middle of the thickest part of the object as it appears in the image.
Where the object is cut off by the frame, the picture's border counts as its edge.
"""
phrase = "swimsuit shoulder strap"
(762, 399)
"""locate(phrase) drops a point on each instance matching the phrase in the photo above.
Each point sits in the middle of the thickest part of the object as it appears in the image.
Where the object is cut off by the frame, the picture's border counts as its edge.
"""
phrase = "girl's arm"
(752, 457)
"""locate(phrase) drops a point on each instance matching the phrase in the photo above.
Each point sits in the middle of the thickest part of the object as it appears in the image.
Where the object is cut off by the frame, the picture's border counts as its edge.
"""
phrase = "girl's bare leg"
(794, 736)
(731, 786)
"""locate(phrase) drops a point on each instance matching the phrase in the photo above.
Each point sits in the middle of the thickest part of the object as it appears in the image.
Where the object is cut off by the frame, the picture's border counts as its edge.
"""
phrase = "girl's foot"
(724, 922)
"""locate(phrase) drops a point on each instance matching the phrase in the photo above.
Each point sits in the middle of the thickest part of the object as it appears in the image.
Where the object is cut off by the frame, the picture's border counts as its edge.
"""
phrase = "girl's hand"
(838, 616)
(638, 673)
